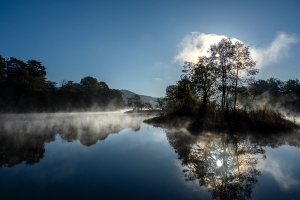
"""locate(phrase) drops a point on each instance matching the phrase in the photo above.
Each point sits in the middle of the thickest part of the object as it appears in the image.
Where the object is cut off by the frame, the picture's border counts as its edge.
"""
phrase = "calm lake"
(115, 156)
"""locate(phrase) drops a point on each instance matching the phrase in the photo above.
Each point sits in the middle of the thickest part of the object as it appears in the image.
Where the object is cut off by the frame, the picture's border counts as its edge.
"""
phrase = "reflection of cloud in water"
(280, 168)
(281, 174)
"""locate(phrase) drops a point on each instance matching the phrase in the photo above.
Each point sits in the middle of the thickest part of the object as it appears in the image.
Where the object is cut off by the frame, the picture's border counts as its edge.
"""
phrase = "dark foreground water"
(116, 156)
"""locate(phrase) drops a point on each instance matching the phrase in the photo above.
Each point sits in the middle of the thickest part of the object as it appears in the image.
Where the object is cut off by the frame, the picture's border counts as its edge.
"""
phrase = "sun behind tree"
(208, 92)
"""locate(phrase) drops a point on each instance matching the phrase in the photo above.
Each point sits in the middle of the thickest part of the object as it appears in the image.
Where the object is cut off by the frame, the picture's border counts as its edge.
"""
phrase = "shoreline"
(232, 123)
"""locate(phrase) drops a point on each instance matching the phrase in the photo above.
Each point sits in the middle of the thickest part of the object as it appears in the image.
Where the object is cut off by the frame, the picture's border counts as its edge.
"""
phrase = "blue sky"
(141, 45)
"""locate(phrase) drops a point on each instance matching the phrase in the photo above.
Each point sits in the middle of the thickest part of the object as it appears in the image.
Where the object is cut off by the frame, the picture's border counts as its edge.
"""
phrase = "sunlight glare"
(219, 163)
(217, 55)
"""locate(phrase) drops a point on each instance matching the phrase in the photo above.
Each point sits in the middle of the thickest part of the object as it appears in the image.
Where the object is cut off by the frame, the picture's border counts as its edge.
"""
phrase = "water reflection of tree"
(16, 148)
(23, 138)
(136, 128)
(200, 156)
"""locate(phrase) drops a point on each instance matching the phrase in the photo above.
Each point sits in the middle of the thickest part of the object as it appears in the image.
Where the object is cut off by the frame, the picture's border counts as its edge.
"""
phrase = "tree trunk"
(235, 92)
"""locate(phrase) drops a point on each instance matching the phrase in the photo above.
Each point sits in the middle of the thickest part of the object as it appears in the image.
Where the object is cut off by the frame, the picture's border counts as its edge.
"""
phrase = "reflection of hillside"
(23, 137)
(224, 163)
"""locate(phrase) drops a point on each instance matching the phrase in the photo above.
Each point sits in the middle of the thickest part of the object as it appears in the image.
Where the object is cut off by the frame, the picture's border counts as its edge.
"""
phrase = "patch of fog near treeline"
(266, 101)
(88, 127)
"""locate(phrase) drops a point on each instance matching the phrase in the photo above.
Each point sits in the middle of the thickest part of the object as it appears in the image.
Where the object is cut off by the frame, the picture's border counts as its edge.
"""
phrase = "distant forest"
(24, 88)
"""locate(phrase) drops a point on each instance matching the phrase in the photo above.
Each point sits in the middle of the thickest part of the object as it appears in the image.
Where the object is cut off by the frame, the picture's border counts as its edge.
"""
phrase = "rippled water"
(116, 156)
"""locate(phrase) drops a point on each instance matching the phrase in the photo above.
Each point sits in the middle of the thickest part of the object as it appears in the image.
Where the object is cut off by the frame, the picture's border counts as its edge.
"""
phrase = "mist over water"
(113, 155)
(23, 136)
(70, 125)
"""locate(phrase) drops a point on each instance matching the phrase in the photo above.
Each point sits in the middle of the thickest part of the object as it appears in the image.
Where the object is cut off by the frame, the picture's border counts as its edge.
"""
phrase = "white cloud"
(157, 79)
(196, 44)
(278, 49)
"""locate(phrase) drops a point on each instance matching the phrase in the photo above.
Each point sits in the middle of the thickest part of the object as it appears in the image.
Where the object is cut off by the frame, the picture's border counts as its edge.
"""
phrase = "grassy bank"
(260, 121)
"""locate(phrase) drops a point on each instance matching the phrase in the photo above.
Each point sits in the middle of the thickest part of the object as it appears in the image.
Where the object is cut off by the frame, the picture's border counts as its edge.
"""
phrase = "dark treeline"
(24, 88)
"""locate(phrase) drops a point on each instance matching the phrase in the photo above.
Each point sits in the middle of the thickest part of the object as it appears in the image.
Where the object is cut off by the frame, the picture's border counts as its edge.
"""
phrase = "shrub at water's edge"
(260, 121)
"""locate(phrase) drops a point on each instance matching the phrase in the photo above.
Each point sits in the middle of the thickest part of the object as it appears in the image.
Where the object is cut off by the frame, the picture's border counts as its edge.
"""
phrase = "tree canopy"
(217, 77)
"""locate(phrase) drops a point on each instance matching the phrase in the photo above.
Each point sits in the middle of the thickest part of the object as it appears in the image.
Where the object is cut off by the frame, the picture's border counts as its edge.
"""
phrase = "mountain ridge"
(145, 98)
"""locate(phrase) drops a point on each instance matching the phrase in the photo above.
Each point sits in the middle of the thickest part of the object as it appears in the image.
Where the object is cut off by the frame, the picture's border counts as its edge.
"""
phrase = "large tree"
(203, 76)
(222, 54)
(243, 66)
(235, 67)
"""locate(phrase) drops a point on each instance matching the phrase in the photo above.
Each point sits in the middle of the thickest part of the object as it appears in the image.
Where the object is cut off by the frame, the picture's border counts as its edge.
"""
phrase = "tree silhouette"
(242, 62)
(180, 97)
(161, 103)
(222, 54)
(135, 102)
(148, 106)
(89, 84)
(224, 163)
(203, 76)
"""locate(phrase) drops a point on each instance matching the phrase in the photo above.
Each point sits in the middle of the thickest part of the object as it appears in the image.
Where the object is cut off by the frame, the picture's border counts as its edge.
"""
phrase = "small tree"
(183, 98)
(148, 106)
(161, 103)
(170, 100)
(135, 102)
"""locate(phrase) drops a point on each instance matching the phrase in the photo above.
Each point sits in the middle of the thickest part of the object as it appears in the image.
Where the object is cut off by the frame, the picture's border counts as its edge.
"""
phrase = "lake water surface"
(115, 156)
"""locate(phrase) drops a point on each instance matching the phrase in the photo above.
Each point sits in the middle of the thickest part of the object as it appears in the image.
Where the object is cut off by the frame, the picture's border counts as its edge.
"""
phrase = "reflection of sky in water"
(282, 164)
(115, 159)
(127, 165)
